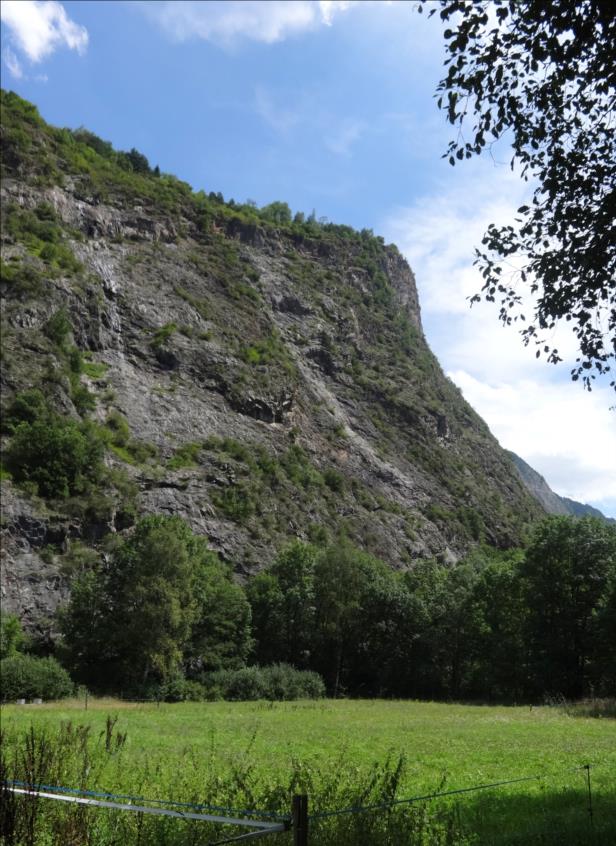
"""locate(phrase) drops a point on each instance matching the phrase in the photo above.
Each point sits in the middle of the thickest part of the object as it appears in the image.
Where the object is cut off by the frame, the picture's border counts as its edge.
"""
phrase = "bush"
(280, 682)
(179, 689)
(26, 407)
(27, 677)
(22, 278)
(58, 327)
(55, 454)
(242, 685)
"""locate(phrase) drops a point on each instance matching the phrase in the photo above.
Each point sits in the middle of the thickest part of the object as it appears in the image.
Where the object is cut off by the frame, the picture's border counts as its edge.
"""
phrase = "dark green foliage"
(140, 608)
(58, 327)
(22, 278)
(298, 467)
(31, 226)
(569, 572)
(137, 161)
(283, 607)
(500, 626)
(26, 407)
(237, 502)
(221, 634)
(334, 480)
(280, 682)
(27, 677)
(163, 600)
(58, 455)
(42, 236)
(542, 76)
(177, 689)
(12, 638)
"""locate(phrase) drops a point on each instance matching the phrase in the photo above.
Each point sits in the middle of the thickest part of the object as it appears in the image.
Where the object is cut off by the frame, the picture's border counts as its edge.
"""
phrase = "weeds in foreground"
(75, 756)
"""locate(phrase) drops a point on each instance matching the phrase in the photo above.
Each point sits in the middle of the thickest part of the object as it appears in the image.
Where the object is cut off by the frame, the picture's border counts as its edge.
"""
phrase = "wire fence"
(262, 822)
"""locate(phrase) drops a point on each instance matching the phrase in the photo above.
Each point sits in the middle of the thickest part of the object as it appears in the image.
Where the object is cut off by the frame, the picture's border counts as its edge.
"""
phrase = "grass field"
(341, 753)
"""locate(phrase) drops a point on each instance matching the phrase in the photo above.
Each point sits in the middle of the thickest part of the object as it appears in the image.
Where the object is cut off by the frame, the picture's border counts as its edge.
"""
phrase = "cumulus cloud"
(565, 434)
(228, 21)
(37, 28)
(568, 435)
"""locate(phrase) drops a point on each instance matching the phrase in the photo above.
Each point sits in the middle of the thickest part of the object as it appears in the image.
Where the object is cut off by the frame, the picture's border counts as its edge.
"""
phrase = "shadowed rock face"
(275, 384)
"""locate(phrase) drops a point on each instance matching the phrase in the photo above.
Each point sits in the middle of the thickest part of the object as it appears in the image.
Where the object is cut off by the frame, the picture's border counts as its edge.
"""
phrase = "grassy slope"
(258, 753)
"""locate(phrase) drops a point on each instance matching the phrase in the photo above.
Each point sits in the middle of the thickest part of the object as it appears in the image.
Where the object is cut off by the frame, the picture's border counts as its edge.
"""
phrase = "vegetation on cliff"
(264, 378)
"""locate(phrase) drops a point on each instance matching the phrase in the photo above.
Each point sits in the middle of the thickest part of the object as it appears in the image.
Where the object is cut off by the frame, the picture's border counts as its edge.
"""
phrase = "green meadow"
(341, 753)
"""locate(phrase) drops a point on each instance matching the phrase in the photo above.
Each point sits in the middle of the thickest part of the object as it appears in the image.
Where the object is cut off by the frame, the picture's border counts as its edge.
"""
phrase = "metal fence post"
(587, 768)
(299, 814)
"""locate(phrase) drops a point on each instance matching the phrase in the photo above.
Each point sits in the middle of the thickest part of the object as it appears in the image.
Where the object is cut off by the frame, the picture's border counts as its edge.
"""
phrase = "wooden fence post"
(299, 813)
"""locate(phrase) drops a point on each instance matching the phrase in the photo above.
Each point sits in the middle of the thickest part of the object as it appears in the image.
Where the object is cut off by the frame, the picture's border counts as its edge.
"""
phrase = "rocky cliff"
(552, 502)
(263, 378)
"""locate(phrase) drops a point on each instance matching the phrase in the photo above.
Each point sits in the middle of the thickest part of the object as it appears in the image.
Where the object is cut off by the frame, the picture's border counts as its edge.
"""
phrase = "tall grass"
(75, 756)
(85, 757)
(593, 707)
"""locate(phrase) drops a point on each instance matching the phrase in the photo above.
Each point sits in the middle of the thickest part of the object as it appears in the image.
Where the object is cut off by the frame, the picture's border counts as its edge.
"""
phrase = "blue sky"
(329, 106)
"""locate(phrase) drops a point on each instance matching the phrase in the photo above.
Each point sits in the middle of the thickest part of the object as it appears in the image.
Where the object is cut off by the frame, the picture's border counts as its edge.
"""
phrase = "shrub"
(179, 689)
(242, 685)
(279, 682)
(334, 480)
(27, 677)
(236, 502)
(26, 407)
(55, 454)
(22, 278)
(120, 431)
(186, 455)
(162, 335)
(58, 327)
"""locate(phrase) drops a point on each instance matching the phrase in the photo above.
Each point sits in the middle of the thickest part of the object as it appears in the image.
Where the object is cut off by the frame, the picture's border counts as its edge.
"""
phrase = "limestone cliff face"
(275, 380)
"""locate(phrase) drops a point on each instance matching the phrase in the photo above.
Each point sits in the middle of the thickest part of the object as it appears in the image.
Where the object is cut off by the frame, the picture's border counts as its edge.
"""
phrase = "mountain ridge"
(264, 377)
(551, 501)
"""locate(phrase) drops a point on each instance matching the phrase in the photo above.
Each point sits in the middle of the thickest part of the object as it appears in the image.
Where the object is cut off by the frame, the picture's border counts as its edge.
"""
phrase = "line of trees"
(507, 626)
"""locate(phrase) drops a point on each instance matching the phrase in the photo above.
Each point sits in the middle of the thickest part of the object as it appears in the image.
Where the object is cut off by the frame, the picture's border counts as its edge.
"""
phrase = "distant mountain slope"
(579, 509)
(552, 502)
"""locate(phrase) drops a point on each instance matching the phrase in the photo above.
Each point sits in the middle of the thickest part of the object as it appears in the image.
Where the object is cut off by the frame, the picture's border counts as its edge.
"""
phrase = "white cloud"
(39, 27)
(231, 20)
(344, 136)
(328, 9)
(338, 134)
(12, 63)
(565, 433)
(279, 118)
